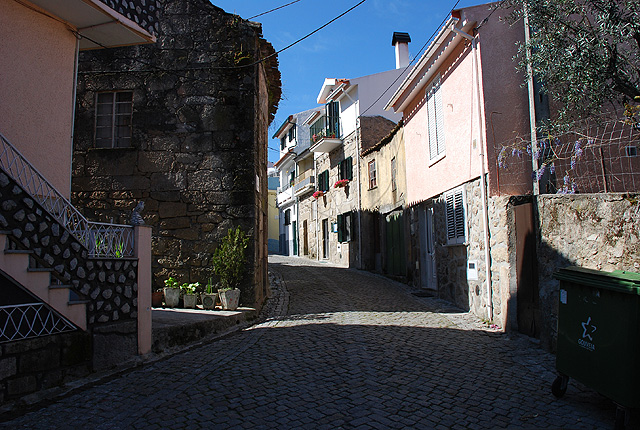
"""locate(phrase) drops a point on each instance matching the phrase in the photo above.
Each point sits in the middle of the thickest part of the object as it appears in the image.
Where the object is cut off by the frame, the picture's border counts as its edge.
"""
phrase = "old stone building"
(182, 126)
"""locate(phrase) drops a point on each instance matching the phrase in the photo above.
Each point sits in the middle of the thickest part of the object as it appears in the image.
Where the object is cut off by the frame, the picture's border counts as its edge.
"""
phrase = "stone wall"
(595, 231)
(38, 364)
(340, 200)
(201, 110)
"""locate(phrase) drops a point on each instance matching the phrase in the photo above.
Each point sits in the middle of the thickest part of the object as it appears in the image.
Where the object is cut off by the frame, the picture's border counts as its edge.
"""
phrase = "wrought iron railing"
(30, 320)
(102, 240)
(323, 127)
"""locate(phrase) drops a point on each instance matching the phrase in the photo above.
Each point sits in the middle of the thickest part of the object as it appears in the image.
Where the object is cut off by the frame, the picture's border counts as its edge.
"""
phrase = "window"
(333, 119)
(435, 118)
(292, 133)
(323, 181)
(114, 112)
(456, 222)
(292, 177)
(287, 217)
(283, 143)
(345, 168)
(372, 174)
(345, 227)
(393, 174)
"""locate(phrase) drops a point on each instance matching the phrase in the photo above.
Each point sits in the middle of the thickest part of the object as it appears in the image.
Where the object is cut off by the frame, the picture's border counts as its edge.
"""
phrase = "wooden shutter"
(349, 168)
(340, 228)
(456, 229)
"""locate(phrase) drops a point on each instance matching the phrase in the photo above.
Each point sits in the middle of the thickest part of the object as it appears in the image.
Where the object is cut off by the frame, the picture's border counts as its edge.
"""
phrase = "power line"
(413, 59)
(296, 42)
(274, 9)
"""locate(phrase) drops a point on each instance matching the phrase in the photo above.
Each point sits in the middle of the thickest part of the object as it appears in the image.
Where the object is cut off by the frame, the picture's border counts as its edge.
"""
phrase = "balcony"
(325, 134)
(285, 194)
(304, 184)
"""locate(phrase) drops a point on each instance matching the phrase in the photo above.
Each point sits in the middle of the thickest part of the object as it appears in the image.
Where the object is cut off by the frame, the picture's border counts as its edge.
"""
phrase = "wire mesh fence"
(593, 157)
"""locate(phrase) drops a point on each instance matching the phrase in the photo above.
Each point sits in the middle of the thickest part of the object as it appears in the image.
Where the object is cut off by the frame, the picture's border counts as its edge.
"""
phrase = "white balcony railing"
(101, 240)
(30, 320)
(304, 186)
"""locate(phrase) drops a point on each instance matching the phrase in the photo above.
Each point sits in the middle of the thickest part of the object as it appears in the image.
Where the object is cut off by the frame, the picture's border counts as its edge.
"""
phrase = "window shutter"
(431, 121)
(451, 230)
(439, 117)
(340, 228)
(460, 227)
(456, 228)
(326, 180)
(349, 168)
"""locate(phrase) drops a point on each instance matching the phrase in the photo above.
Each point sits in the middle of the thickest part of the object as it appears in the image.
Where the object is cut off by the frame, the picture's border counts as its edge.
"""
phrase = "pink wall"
(504, 109)
(36, 88)
(461, 162)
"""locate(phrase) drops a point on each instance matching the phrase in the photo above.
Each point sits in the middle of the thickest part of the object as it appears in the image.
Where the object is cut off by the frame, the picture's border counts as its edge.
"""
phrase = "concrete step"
(37, 280)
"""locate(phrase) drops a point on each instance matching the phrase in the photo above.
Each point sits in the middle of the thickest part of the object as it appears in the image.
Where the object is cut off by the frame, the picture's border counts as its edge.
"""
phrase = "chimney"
(401, 43)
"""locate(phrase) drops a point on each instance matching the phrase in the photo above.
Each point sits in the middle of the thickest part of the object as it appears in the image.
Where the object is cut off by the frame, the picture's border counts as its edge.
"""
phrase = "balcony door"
(333, 118)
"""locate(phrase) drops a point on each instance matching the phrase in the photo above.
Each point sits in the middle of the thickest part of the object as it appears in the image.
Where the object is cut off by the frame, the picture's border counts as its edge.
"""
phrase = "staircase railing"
(101, 240)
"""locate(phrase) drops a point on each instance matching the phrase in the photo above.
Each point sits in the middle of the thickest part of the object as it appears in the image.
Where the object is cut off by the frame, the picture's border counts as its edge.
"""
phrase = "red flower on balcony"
(341, 183)
(318, 194)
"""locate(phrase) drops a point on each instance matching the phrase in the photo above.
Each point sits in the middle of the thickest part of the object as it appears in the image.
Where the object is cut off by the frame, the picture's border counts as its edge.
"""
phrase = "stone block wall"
(201, 111)
(594, 231)
(31, 365)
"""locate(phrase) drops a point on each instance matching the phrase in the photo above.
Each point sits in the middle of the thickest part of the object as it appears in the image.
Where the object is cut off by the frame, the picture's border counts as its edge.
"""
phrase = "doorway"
(428, 276)
(325, 238)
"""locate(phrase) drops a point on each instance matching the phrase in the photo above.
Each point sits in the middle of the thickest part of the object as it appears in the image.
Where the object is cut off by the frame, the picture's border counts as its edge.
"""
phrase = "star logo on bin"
(588, 329)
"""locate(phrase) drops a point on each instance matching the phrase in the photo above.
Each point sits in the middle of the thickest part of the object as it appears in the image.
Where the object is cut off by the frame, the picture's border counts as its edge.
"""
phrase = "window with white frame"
(456, 216)
(373, 182)
(292, 133)
(435, 120)
(114, 112)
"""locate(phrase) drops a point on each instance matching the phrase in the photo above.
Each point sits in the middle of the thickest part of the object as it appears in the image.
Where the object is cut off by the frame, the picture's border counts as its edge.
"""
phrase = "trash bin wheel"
(559, 386)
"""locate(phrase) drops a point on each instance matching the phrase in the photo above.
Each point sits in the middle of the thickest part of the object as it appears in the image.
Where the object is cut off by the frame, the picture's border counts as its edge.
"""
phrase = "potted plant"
(341, 183)
(171, 293)
(209, 297)
(156, 298)
(318, 194)
(189, 296)
(228, 263)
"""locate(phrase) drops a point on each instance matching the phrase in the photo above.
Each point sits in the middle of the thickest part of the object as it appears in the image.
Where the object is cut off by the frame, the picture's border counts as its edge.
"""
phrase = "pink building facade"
(461, 99)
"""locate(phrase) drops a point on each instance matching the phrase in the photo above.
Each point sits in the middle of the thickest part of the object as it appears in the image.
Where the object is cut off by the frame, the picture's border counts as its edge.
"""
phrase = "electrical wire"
(413, 59)
(275, 9)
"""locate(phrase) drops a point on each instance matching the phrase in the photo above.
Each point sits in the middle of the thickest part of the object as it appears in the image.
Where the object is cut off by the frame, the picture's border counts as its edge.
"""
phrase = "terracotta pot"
(156, 299)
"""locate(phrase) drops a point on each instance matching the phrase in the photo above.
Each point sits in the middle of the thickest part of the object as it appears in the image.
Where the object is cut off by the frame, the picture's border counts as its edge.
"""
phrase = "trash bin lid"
(618, 280)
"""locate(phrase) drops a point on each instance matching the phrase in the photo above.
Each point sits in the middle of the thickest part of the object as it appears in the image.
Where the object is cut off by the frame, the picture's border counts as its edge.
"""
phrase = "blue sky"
(358, 44)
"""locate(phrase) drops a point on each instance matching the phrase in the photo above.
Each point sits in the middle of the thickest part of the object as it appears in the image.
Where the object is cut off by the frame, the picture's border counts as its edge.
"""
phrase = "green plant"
(171, 283)
(209, 287)
(229, 258)
(189, 288)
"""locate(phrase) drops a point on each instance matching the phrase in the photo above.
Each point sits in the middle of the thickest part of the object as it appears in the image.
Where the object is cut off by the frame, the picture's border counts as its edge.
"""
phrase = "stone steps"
(16, 263)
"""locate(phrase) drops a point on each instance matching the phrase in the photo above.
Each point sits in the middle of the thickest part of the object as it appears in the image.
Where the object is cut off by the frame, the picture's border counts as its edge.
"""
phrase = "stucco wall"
(461, 162)
(36, 86)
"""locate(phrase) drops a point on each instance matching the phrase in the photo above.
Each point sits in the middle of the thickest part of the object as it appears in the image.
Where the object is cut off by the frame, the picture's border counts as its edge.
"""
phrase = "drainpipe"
(483, 180)
(532, 105)
(73, 108)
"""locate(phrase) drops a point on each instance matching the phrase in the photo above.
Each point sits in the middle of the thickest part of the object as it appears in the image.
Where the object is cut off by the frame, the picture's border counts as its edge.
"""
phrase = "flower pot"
(171, 297)
(208, 300)
(190, 301)
(230, 299)
(156, 299)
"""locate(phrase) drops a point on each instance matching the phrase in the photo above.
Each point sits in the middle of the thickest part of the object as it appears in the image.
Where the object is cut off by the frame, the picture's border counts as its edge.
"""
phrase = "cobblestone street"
(339, 348)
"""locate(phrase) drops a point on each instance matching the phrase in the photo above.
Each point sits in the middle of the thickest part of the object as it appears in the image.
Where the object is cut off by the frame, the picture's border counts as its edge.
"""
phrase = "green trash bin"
(599, 333)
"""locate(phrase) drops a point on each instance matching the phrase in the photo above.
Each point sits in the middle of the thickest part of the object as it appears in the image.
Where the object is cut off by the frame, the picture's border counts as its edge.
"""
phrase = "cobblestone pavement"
(339, 348)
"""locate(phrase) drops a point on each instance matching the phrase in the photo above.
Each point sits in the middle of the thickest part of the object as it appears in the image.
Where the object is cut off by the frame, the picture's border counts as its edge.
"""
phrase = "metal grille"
(30, 320)
(104, 240)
